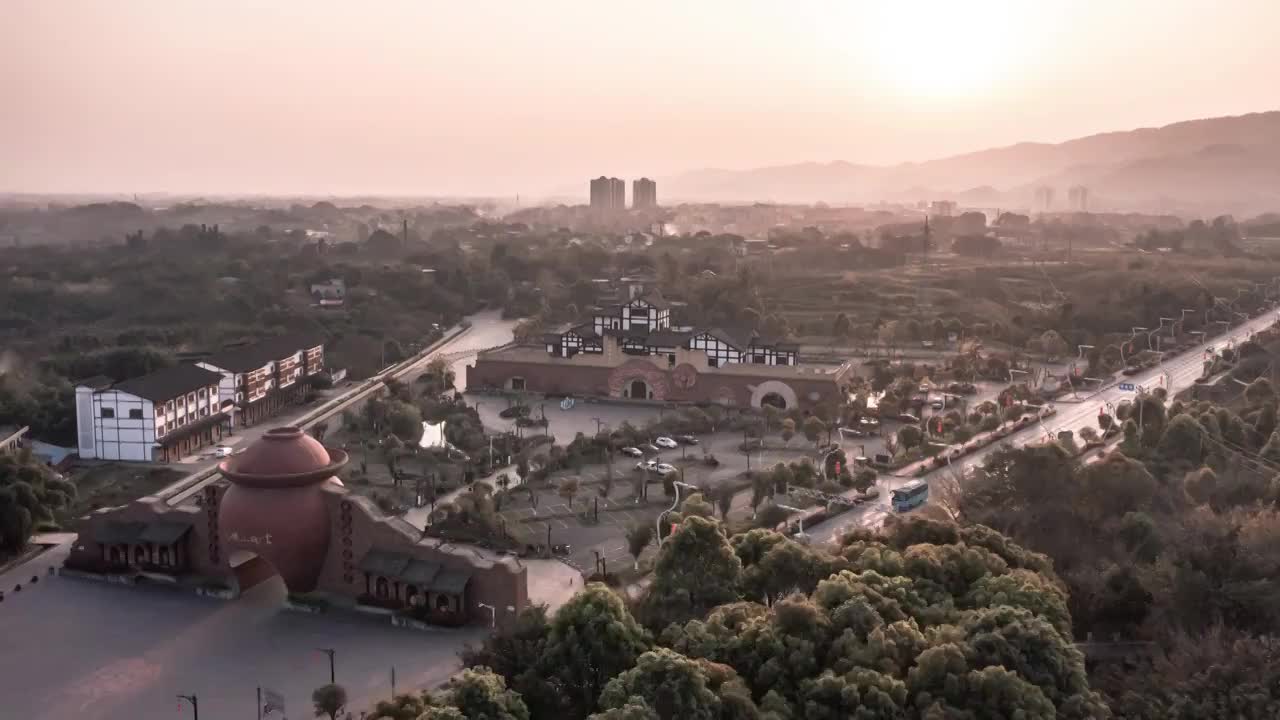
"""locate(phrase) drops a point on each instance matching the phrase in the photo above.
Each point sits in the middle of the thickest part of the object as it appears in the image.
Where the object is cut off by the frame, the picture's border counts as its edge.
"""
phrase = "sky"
(498, 97)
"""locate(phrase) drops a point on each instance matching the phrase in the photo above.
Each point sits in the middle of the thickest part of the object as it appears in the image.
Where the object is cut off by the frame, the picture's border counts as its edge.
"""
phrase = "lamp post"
(195, 705)
(331, 653)
(493, 615)
(658, 523)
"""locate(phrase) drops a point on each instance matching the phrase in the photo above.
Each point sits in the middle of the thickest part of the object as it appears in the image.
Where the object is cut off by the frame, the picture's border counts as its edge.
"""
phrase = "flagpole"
(393, 682)
(259, 702)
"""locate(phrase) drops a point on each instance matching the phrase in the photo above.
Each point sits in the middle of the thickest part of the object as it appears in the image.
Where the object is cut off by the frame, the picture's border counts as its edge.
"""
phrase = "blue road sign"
(1126, 387)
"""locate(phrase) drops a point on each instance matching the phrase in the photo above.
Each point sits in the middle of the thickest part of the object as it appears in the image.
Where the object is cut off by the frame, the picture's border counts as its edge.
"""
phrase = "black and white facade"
(159, 416)
(642, 326)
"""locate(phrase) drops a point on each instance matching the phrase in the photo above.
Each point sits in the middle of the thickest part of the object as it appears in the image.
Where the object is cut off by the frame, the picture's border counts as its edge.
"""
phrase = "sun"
(942, 50)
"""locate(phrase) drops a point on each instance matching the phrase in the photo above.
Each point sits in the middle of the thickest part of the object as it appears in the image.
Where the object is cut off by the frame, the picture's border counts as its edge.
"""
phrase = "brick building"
(631, 351)
(279, 509)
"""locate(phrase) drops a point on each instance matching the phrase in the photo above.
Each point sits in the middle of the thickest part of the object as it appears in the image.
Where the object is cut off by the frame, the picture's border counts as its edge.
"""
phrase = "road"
(1181, 372)
(487, 330)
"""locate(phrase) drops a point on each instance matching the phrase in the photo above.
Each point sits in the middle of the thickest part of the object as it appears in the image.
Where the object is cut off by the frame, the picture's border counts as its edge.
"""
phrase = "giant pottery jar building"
(279, 508)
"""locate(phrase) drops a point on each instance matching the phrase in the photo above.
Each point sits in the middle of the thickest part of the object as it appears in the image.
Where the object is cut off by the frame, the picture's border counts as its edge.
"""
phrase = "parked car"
(663, 469)
(650, 465)
(909, 418)
(223, 451)
(650, 448)
(937, 405)
(665, 442)
(868, 421)
(686, 439)
(632, 451)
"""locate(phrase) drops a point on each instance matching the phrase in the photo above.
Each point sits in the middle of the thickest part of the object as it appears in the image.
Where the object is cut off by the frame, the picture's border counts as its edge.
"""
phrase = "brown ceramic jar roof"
(283, 457)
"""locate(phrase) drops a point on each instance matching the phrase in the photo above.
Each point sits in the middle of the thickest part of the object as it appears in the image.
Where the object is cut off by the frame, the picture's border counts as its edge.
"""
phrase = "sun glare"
(943, 50)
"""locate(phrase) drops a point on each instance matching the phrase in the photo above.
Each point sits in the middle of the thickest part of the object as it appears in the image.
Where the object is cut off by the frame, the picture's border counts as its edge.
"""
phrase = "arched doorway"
(773, 399)
(251, 570)
(638, 390)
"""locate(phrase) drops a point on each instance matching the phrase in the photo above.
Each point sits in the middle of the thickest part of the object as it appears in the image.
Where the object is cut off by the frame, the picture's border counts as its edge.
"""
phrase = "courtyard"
(95, 651)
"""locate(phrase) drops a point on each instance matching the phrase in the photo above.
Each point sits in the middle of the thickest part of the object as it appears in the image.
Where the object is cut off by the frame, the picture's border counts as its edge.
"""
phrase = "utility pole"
(330, 652)
(195, 705)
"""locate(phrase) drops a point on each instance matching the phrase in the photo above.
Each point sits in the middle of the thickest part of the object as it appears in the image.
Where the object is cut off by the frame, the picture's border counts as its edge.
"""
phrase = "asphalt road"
(1181, 373)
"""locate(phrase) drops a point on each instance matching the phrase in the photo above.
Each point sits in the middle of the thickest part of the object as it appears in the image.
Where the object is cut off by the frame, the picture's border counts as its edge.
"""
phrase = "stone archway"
(773, 399)
(769, 388)
(622, 381)
(638, 389)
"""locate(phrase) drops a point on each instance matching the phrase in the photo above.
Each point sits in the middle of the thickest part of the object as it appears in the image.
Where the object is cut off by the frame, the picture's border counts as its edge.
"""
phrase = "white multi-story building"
(157, 417)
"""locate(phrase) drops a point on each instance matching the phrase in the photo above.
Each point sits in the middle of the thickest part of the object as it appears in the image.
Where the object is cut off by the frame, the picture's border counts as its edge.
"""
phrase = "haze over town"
(494, 99)
(424, 360)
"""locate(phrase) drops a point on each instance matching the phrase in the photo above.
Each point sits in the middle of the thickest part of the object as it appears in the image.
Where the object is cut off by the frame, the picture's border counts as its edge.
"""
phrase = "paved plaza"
(93, 651)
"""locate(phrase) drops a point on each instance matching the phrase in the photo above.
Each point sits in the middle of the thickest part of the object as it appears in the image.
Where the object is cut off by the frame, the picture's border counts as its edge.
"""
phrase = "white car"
(650, 465)
(663, 469)
(665, 442)
(223, 451)
(632, 451)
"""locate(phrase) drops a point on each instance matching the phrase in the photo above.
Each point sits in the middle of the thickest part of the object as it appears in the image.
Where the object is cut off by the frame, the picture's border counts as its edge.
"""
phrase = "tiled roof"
(168, 383)
(253, 356)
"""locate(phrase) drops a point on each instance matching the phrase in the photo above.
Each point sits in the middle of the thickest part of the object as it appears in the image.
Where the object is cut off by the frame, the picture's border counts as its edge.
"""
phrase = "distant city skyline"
(494, 99)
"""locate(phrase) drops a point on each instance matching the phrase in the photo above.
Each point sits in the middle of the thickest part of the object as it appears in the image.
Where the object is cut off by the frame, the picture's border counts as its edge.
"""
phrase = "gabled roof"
(246, 358)
(169, 383)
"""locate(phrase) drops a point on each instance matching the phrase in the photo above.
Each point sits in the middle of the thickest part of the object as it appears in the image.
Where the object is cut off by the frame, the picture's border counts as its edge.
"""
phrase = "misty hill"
(1228, 164)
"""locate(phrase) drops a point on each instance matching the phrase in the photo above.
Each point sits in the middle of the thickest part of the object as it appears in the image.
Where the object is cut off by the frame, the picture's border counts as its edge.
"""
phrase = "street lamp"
(674, 505)
(331, 653)
(195, 705)
(493, 615)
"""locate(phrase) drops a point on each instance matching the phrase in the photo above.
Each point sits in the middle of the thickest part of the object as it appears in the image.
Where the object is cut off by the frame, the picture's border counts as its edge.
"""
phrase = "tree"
(696, 505)
(479, 693)
(761, 486)
(405, 422)
(724, 500)
(788, 430)
(329, 700)
(569, 490)
(813, 429)
(696, 570)
(672, 685)
(909, 436)
(639, 536)
(515, 653)
(1259, 391)
(864, 479)
(592, 639)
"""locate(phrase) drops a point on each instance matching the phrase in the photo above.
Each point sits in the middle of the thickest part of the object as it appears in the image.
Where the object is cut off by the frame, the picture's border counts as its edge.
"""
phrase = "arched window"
(411, 595)
(139, 554)
(115, 555)
(164, 556)
(444, 602)
(381, 588)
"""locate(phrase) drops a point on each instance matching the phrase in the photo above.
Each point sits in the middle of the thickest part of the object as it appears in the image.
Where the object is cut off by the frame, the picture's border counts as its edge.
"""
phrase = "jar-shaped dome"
(276, 507)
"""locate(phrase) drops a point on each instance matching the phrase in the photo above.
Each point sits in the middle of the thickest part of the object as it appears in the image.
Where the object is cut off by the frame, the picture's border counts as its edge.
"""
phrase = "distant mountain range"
(1198, 167)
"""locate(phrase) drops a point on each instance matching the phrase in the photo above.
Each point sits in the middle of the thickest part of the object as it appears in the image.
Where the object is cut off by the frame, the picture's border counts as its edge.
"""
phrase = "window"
(191, 398)
(758, 359)
(135, 414)
(671, 360)
(712, 362)
(108, 412)
(200, 393)
(517, 383)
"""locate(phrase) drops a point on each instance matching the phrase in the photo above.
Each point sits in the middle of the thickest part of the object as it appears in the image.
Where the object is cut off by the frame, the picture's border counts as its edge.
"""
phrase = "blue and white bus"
(910, 496)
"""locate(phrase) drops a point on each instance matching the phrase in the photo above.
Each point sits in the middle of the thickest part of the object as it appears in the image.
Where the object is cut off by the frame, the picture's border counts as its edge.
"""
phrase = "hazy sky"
(532, 96)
